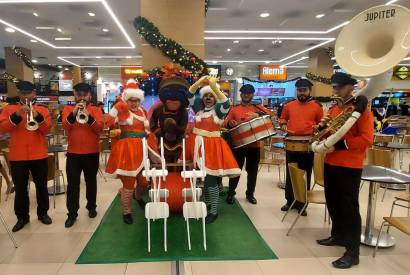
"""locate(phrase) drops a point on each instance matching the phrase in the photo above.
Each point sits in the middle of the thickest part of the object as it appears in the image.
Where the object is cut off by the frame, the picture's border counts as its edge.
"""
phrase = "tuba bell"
(31, 124)
(370, 46)
(82, 116)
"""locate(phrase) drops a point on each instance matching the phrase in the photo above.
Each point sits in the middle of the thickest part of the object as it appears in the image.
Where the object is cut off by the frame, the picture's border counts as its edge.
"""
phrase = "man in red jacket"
(342, 174)
(82, 152)
(28, 152)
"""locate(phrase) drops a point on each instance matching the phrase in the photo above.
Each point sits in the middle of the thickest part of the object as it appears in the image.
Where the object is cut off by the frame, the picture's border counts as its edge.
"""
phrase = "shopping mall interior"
(204, 137)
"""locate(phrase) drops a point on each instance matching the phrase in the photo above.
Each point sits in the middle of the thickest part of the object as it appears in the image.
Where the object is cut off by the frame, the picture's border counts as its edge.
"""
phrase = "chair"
(406, 139)
(273, 161)
(401, 223)
(384, 158)
(383, 138)
(301, 193)
(318, 170)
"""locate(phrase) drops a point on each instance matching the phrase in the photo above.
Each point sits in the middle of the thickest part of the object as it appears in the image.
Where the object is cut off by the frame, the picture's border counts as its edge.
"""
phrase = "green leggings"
(211, 193)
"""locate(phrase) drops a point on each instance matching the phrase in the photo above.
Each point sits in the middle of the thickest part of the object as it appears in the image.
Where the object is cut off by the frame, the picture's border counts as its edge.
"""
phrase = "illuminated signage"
(272, 72)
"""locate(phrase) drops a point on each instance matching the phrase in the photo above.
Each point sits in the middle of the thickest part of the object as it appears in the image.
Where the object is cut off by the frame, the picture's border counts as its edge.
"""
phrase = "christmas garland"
(318, 78)
(9, 77)
(330, 52)
(23, 57)
(170, 48)
(207, 3)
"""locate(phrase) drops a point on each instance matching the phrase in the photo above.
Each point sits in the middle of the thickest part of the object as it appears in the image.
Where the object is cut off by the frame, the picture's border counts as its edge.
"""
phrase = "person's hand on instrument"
(232, 123)
(323, 123)
(78, 106)
(25, 109)
(284, 128)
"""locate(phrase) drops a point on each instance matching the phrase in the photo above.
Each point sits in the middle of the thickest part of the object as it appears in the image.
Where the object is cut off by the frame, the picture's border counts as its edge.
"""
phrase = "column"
(320, 64)
(17, 68)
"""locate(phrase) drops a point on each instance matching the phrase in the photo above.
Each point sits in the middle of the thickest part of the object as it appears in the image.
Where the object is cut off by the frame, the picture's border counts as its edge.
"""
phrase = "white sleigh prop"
(156, 209)
(194, 209)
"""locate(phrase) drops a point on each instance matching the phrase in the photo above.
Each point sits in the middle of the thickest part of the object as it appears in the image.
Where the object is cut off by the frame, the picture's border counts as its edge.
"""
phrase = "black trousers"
(20, 171)
(252, 156)
(77, 163)
(305, 162)
(342, 197)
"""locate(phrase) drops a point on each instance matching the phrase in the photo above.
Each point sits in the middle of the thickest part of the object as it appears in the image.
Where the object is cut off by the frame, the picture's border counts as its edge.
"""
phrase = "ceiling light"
(35, 14)
(214, 62)
(60, 66)
(105, 30)
(236, 41)
(59, 30)
(228, 49)
(129, 57)
(240, 62)
(66, 69)
(267, 62)
(261, 50)
(62, 38)
(34, 61)
(264, 14)
(91, 14)
(320, 16)
(9, 30)
(98, 57)
(45, 28)
(33, 41)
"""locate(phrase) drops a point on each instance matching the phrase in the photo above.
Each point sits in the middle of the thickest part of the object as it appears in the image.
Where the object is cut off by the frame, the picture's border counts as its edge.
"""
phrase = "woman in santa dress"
(210, 108)
(126, 158)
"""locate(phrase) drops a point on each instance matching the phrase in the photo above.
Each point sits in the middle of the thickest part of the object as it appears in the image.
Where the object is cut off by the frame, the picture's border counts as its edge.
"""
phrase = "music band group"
(84, 122)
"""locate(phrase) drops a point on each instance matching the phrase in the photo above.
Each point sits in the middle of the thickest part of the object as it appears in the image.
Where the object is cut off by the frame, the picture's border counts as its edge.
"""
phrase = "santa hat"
(132, 90)
(207, 89)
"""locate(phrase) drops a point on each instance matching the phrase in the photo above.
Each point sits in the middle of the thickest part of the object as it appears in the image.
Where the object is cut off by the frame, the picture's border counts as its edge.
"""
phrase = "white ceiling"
(122, 40)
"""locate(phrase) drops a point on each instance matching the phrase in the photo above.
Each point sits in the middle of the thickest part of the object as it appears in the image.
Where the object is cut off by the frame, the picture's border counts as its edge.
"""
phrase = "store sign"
(272, 72)
(130, 72)
(402, 72)
(214, 70)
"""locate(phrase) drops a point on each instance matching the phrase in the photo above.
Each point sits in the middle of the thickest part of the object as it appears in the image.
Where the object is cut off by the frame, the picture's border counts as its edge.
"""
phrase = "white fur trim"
(231, 173)
(205, 90)
(133, 93)
(201, 114)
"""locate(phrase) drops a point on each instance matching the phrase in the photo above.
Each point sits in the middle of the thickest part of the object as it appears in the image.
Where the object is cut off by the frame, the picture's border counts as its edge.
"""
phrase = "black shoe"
(127, 218)
(230, 199)
(45, 219)
(70, 222)
(20, 224)
(92, 213)
(345, 262)
(285, 207)
(331, 241)
(141, 203)
(251, 199)
(304, 213)
(210, 218)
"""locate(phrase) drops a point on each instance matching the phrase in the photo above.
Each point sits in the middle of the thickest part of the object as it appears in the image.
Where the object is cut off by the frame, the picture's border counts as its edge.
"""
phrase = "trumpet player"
(83, 124)
(27, 124)
(342, 173)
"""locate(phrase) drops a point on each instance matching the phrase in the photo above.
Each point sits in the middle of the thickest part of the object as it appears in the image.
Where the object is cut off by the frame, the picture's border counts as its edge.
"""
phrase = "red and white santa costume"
(126, 158)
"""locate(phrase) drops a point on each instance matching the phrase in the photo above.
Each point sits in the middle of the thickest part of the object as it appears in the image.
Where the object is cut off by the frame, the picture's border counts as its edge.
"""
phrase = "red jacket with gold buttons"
(357, 140)
(25, 144)
(83, 138)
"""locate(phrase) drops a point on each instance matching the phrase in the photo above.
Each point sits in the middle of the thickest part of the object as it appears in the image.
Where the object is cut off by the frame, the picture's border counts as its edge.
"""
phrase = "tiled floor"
(49, 250)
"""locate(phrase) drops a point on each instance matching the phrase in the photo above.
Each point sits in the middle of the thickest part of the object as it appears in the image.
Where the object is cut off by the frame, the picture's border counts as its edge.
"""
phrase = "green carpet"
(231, 237)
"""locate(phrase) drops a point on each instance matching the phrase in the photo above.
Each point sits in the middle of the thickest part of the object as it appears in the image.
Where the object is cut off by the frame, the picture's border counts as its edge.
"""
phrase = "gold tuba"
(369, 46)
(31, 124)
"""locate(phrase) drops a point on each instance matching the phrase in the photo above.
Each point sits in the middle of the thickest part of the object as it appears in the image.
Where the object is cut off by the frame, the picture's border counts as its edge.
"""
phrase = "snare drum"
(251, 131)
(297, 143)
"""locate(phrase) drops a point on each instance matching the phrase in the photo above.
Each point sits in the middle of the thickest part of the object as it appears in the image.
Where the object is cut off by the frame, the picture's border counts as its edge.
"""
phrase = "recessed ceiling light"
(264, 14)
(10, 30)
(59, 30)
(236, 41)
(261, 50)
(320, 16)
(33, 41)
(62, 38)
(91, 14)
(105, 30)
(228, 49)
(45, 28)
(35, 14)
(60, 66)
(34, 61)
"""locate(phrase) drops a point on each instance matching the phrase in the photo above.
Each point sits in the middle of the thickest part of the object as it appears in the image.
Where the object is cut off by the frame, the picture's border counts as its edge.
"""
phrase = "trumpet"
(31, 124)
(82, 116)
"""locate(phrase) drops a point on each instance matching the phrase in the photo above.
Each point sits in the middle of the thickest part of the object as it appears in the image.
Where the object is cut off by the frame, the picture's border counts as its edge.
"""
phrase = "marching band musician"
(28, 152)
(126, 158)
(241, 113)
(342, 173)
(210, 110)
(83, 150)
(298, 118)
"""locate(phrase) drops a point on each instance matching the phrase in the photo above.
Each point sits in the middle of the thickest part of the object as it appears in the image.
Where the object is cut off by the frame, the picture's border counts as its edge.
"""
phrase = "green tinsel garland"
(169, 47)
(318, 78)
(9, 77)
(23, 57)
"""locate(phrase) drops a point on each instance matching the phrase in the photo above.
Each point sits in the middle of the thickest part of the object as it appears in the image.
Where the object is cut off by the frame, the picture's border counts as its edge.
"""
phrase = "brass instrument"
(369, 46)
(82, 116)
(31, 124)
